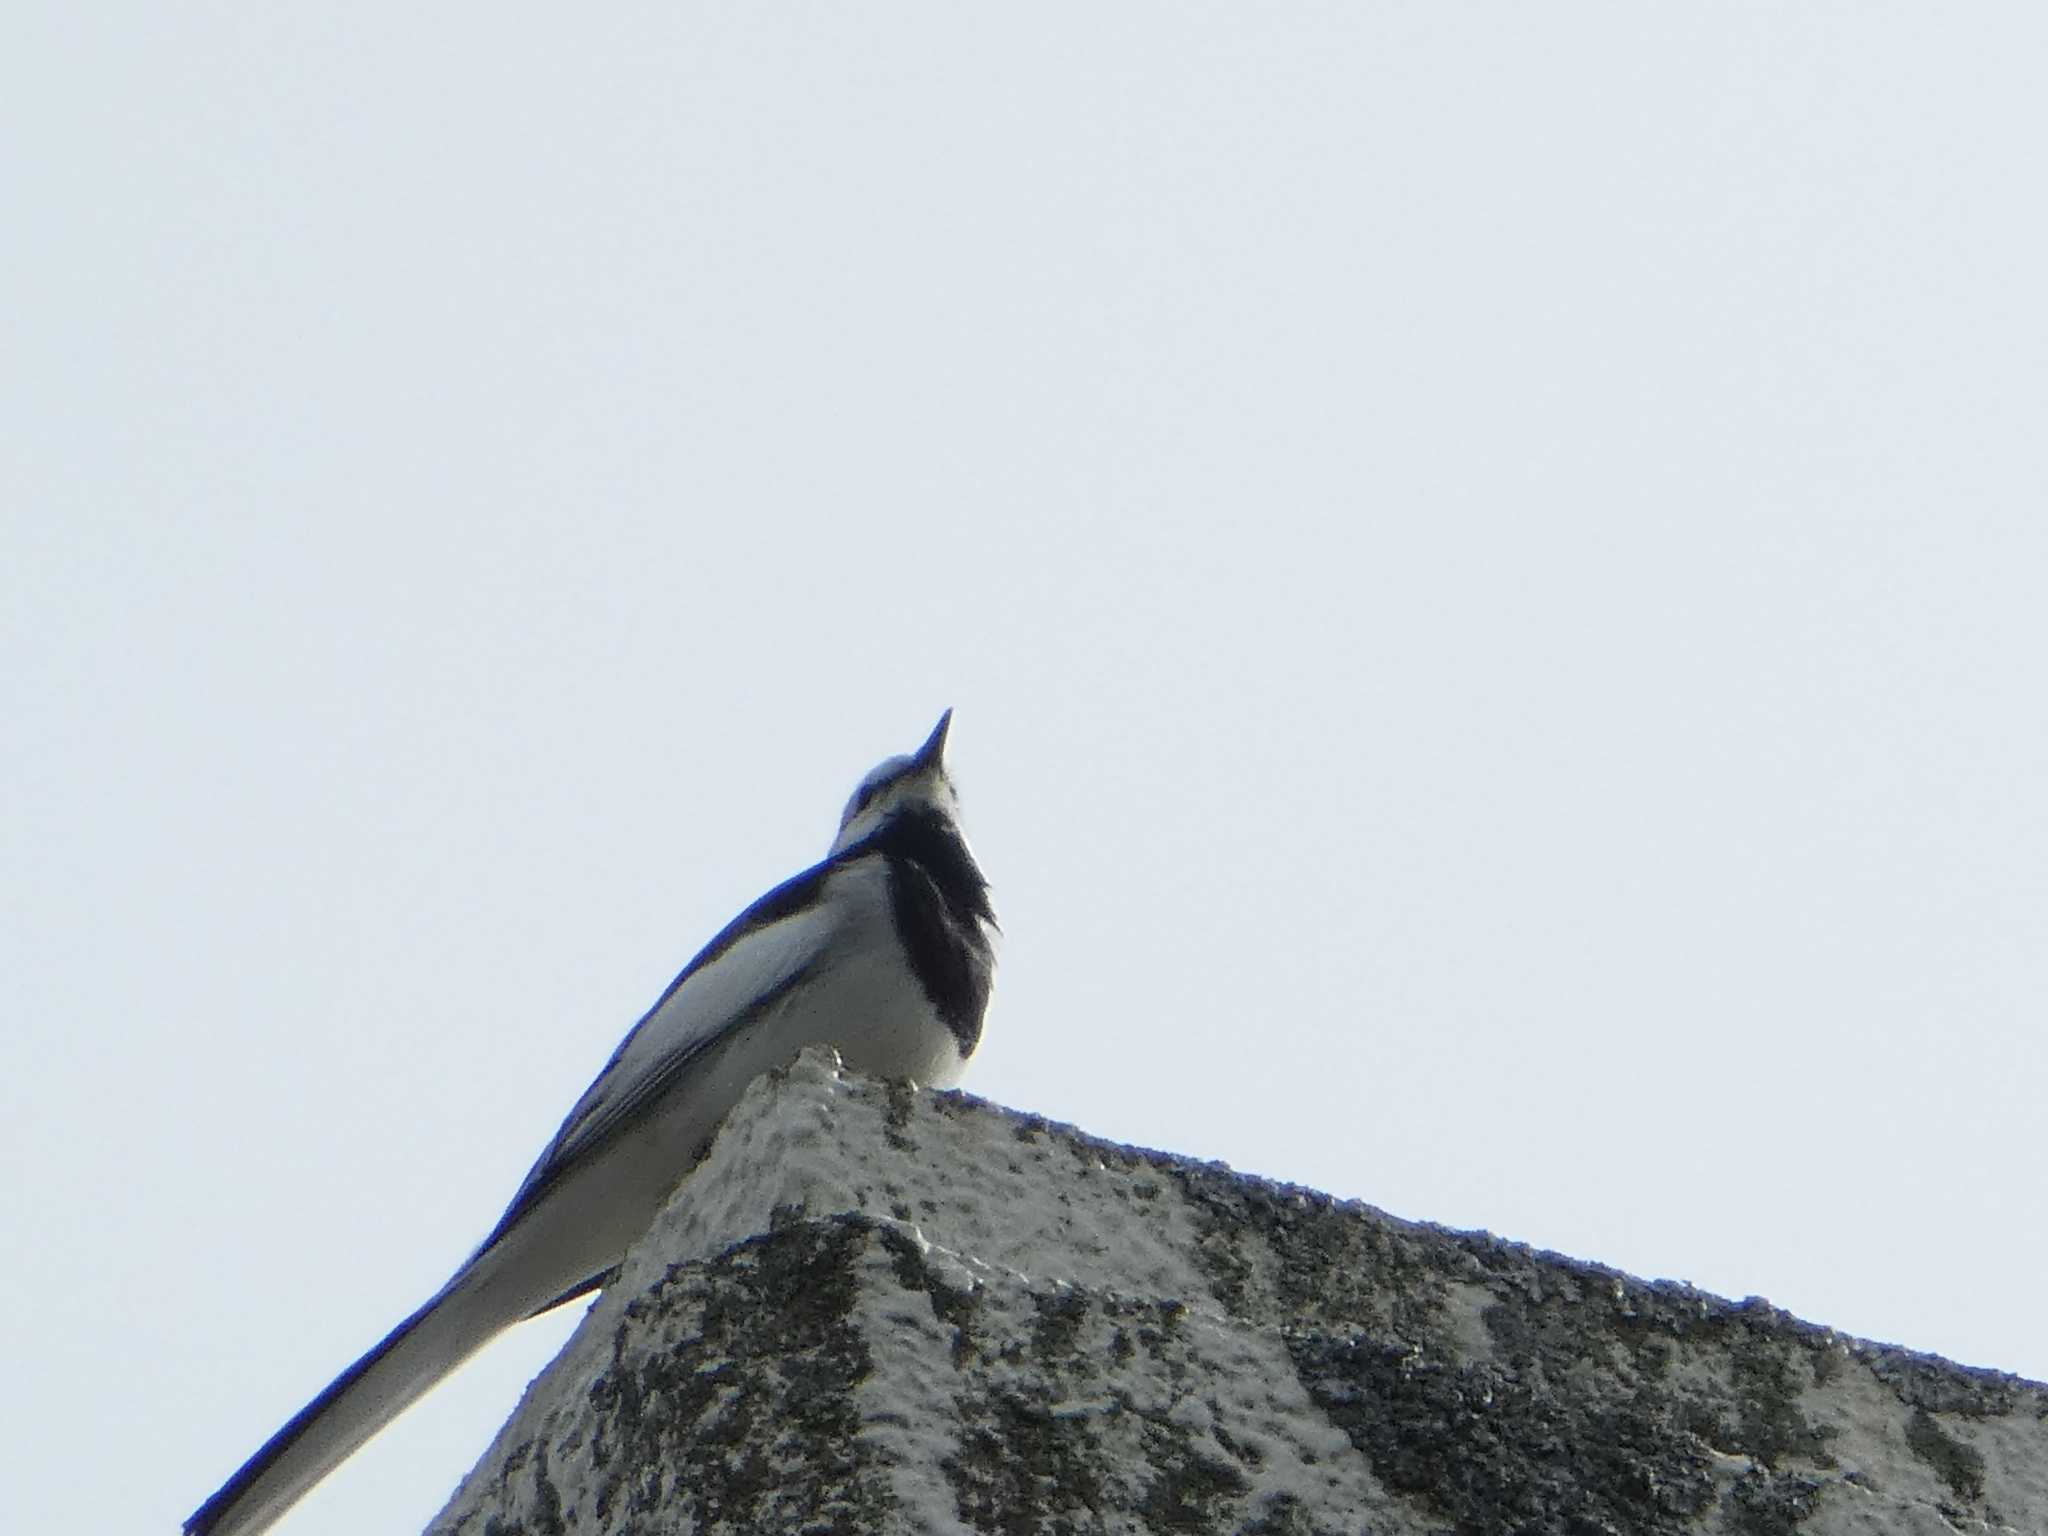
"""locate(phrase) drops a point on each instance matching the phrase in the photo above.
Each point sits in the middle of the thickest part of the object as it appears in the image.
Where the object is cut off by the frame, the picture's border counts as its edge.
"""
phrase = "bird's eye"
(866, 795)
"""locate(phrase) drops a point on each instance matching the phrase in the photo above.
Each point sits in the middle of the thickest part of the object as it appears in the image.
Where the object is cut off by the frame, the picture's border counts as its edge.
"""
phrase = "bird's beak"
(933, 753)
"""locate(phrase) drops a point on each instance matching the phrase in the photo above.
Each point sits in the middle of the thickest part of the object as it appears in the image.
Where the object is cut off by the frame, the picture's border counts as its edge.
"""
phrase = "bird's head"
(900, 784)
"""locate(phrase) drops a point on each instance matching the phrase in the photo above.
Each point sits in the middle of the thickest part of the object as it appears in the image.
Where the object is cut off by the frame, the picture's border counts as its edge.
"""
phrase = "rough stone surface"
(877, 1310)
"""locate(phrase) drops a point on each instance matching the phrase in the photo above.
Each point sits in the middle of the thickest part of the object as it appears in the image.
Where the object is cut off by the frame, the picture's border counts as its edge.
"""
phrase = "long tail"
(415, 1355)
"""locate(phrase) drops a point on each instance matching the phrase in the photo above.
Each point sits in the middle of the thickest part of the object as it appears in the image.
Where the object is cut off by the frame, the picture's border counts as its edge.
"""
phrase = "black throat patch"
(940, 902)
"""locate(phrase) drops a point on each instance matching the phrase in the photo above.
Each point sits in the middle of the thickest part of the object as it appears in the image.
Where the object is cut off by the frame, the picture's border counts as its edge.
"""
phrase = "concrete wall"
(876, 1310)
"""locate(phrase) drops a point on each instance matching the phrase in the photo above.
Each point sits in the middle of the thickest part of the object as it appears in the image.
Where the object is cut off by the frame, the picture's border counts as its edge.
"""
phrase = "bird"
(884, 949)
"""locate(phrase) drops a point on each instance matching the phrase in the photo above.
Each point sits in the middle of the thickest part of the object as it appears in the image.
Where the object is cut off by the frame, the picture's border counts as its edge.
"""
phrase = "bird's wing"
(759, 955)
(756, 958)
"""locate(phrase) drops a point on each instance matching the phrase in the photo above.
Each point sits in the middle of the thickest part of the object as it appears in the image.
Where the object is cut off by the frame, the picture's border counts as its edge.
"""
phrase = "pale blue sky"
(1490, 560)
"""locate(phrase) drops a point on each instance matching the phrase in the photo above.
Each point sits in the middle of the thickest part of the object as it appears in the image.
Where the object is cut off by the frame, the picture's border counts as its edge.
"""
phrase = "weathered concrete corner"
(874, 1310)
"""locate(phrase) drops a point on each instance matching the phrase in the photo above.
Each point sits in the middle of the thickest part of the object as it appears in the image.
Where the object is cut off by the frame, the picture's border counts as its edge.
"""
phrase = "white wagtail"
(885, 950)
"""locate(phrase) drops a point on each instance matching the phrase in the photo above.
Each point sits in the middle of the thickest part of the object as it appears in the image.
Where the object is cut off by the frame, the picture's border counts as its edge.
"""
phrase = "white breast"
(862, 997)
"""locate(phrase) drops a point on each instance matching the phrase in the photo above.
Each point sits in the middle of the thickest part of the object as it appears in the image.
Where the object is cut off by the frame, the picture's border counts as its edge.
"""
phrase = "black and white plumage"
(884, 950)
